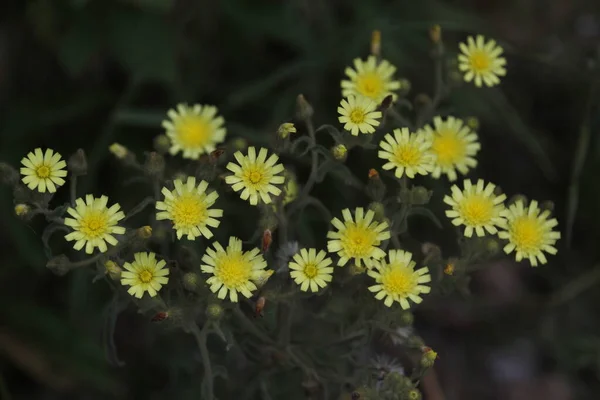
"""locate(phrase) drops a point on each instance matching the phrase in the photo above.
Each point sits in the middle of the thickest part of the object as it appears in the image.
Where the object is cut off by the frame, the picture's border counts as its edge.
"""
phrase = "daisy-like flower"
(43, 171)
(311, 269)
(194, 130)
(94, 223)
(358, 115)
(232, 269)
(481, 61)
(188, 207)
(529, 232)
(371, 79)
(476, 207)
(357, 238)
(397, 279)
(144, 274)
(255, 176)
(409, 153)
(454, 146)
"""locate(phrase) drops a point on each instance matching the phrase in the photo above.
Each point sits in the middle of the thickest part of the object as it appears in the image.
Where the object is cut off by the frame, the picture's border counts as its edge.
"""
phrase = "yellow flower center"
(408, 155)
(310, 270)
(255, 177)
(477, 210)
(146, 276)
(233, 270)
(357, 116)
(189, 210)
(193, 131)
(480, 61)
(399, 280)
(43, 171)
(527, 233)
(359, 241)
(448, 148)
(370, 85)
(94, 224)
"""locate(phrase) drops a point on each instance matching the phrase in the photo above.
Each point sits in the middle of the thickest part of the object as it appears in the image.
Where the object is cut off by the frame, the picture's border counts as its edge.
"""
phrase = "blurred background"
(86, 73)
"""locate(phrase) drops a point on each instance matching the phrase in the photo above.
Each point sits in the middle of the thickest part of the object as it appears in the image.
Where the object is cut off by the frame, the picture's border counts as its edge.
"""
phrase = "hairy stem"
(201, 336)
(73, 189)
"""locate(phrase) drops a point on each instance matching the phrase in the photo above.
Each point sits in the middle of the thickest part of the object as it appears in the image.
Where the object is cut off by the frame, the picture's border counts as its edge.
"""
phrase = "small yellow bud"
(145, 232)
(191, 281)
(239, 143)
(162, 144)
(113, 270)
(473, 123)
(379, 210)
(339, 152)
(435, 33)
(285, 129)
(376, 43)
(118, 150)
(428, 358)
(492, 246)
(21, 209)
(414, 394)
(406, 318)
(214, 311)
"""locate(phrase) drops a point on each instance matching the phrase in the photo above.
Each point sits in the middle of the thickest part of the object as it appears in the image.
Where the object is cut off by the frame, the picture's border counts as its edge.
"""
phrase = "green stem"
(313, 168)
(73, 189)
(428, 111)
(200, 336)
(137, 209)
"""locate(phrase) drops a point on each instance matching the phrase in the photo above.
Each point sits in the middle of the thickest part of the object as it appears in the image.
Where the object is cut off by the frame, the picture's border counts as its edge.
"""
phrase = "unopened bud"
(450, 267)
(113, 270)
(492, 246)
(420, 195)
(435, 33)
(59, 265)
(405, 86)
(376, 43)
(303, 109)
(285, 130)
(160, 316)
(373, 174)
(339, 152)
(375, 187)
(378, 209)
(357, 270)
(239, 144)
(118, 150)
(428, 358)
(8, 175)
(155, 164)
(473, 123)
(498, 191)
(77, 163)
(414, 394)
(290, 187)
(162, 144)
(21, 210)
(191, 281)
(144, 232)
(406, 318)
(518, 198)
(547, 206)
(415, 342)
(214, 311)
(431, 251)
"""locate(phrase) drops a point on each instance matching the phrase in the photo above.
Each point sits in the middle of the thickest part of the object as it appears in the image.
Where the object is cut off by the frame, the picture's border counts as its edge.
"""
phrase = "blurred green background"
(86, 73)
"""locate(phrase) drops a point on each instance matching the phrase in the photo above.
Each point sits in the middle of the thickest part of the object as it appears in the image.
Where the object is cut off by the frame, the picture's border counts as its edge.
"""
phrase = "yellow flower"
(397, 279)
(357, 239)
(481, 61)
(94, 223)
(261, 278)
(255, 175)
(194, 130)
(409, 153)
(144, 274)
(188, 207)
(310, 269)
(476, 207)
(454, 146)
(358, 114)
(529, 232)
(285, 129)
(370, 78)
(118, 150)
(43, 171)
(232, 269)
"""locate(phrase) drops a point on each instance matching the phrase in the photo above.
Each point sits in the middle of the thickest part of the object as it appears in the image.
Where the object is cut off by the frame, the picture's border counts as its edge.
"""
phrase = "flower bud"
(376, 43)
(21, 210)
(492, 246)
(518, 198)
(420, 195)
(119, 151)
(239, 144)
(285, 129)
(431, 251)
(450, 267)
(339, 152)
(77, 163)
(357, 270)
(473, 123)
(378, 209)
(191, 281)
(428, 358)
(406, 318)
(59, 265)
(375, 187)
(8, 175)
(290, 187)
(162, 144)
(415, 342)
(547, 206)
(214, 311)
(405, 86)
(113, 270)
(262, 277)
(145, 232)
(498, 191)
(303, 109)
(414, 394)
(155, 164)
(435, 33)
